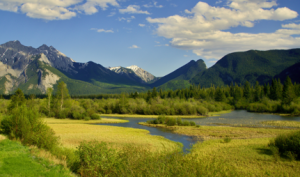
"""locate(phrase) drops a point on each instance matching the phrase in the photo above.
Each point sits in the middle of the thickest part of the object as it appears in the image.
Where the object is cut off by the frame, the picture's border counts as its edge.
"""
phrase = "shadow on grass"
(265, 151)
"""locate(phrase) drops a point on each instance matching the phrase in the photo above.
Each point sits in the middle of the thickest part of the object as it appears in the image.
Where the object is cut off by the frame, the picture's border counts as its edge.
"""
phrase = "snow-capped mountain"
(141, 73)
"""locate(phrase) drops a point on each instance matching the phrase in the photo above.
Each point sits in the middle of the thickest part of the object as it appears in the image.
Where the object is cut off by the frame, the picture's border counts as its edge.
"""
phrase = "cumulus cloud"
(142, 25)
(55, 9)
(134, 47)
(133, 9)
(203, 28)
(102, 30)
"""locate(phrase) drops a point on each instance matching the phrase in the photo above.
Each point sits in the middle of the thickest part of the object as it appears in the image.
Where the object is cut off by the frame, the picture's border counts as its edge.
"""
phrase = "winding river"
(234, 118)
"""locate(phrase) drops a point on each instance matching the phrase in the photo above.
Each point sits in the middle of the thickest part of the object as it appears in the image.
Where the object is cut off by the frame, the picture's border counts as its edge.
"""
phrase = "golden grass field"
(72, 134)
(214, 132)
(246, 157)
(278, 123)
(72, 121)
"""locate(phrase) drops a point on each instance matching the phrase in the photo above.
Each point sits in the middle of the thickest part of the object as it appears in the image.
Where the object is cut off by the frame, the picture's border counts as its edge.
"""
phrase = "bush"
(226, 140)
(161, 119)
(193, 123)
(170, 121)
(288, 145)
(24, 124)
(179, 121)
(87, 118)
(95, 117)
(186, 123)
(96, 159)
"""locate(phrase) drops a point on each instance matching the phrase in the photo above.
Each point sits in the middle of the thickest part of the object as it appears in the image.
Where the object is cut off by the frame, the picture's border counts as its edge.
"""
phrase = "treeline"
(195, 100)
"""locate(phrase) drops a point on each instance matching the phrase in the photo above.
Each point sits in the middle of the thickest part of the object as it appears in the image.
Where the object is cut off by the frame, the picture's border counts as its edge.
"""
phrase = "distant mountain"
(184, 74)
(252, 66)
(293, 72)
(135, 73)
(16, 59)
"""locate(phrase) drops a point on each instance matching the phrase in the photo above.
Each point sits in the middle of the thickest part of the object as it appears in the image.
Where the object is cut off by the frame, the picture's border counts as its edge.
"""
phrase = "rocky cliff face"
(16, 56)
(15, 59)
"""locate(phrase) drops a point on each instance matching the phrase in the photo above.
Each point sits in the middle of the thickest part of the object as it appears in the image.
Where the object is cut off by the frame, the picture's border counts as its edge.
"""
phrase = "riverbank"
(219, 132)
(156, 116)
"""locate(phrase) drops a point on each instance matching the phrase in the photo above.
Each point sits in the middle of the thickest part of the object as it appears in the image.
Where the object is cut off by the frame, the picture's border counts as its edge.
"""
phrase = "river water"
(234, 118)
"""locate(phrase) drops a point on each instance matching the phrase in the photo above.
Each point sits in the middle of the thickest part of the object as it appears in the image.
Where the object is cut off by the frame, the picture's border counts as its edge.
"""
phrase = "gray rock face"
(15, 58)
(18, 56)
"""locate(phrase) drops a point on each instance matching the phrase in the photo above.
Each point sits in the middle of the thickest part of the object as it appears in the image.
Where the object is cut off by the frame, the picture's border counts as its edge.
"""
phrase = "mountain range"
(35, 69)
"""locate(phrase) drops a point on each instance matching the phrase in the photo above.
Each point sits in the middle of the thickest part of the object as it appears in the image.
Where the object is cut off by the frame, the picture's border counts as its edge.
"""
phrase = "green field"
(16, 160)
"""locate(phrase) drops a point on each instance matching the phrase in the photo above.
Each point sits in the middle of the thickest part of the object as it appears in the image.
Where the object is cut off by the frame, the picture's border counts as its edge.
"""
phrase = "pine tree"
(17, 100)
(247, 90)
(288, 93)
(219, 95)
(257, 92)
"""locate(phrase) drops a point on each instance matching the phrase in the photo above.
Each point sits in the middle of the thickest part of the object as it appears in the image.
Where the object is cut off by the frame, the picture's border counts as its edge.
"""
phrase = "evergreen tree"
(247, 90)
(154, 93)
(288, 93)
(219, 95)
(257, 92)
(17, 100)
(275, 90)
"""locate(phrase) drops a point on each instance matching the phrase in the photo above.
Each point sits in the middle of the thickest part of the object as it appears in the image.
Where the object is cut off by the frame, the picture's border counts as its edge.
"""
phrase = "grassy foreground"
(16, 160)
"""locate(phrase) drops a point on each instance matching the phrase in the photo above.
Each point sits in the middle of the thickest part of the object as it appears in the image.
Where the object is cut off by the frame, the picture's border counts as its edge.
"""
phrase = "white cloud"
(90, 7)
(292, 26)
(202, 30)
(142, 25)
(158, 6)
(54, 9)
(133, 9)
(102, 30)
(126, 19)
(154, 5)
(134, 47)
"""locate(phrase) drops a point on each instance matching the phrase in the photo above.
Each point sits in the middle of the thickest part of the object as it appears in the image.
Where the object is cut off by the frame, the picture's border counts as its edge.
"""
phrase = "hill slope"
(183, 73)
(252, 66)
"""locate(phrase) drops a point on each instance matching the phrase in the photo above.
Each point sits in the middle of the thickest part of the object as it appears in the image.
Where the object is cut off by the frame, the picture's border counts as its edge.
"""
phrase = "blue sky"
(158, 36)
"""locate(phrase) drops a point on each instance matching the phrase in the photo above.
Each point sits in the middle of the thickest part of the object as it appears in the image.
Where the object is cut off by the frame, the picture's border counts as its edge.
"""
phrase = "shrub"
(87, 118)
(192, 123)
(96, 159)
(179, 121)
(161, 119)
(24, 123)
(95, 117)
(170, 121)
(226, 140)
(288, 144)
(186, 123)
